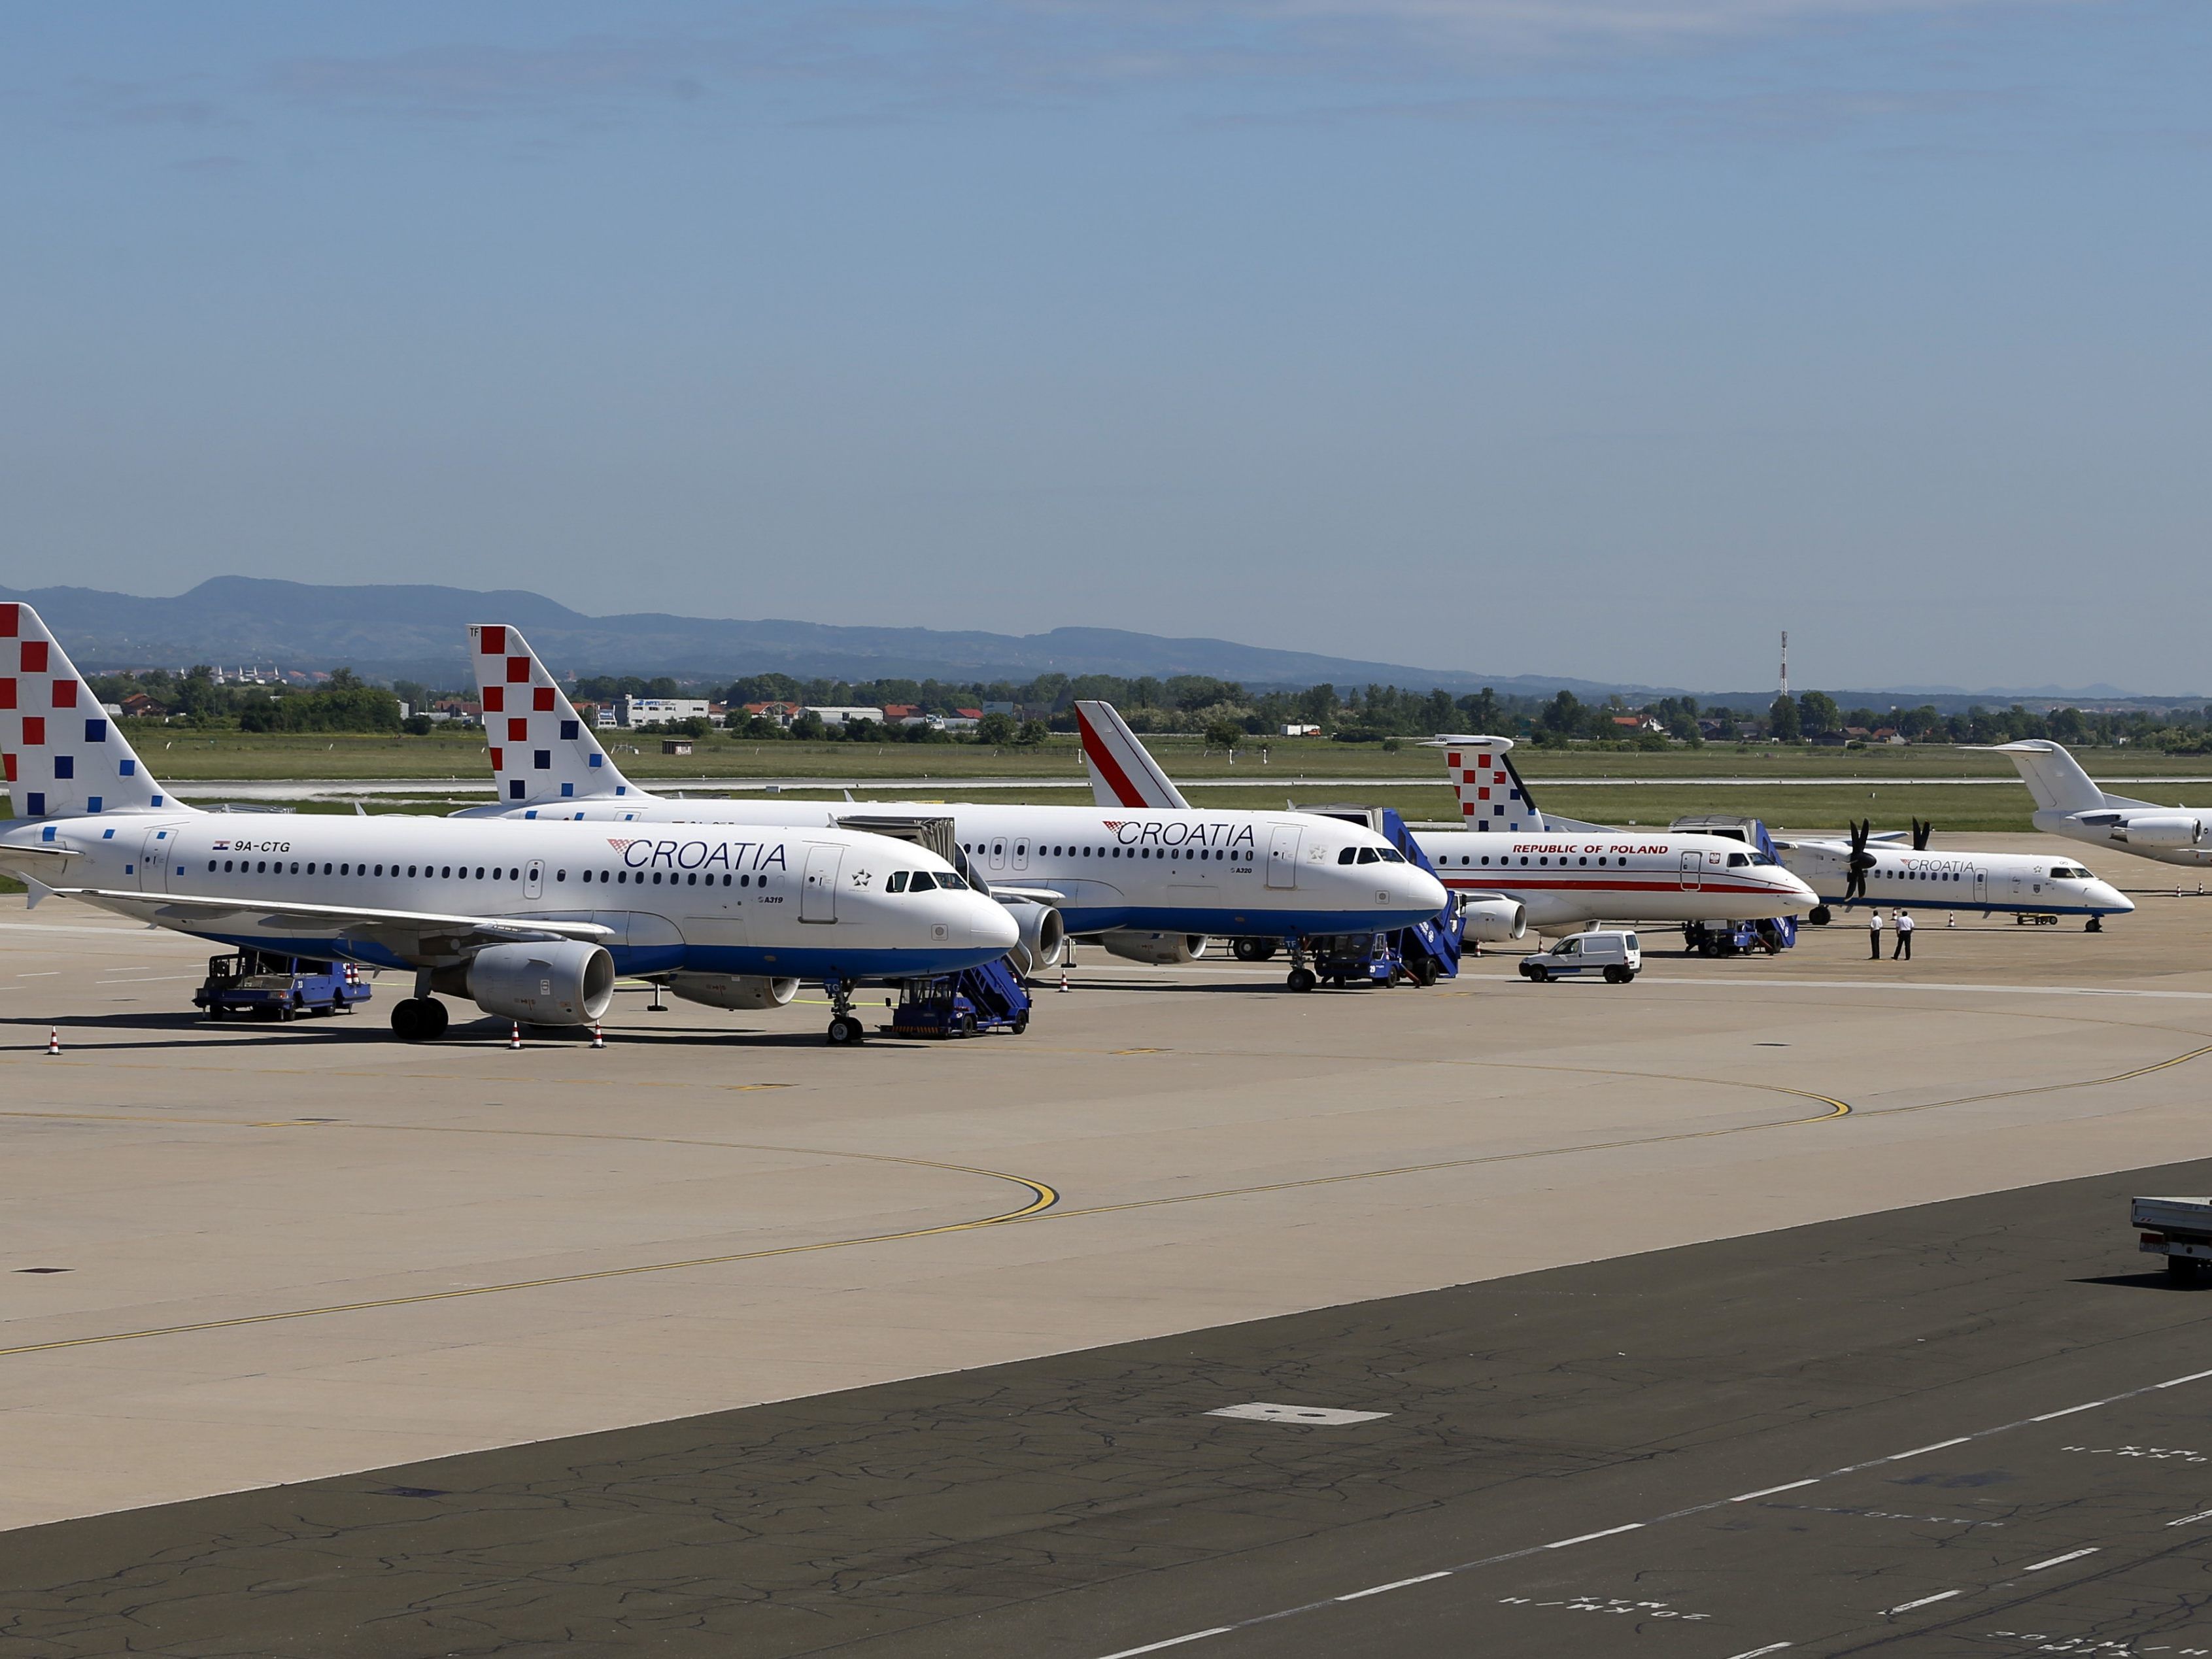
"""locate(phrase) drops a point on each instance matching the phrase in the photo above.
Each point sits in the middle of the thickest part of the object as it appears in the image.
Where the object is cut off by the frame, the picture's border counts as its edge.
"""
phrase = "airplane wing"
(424, 938)
(1034, 895)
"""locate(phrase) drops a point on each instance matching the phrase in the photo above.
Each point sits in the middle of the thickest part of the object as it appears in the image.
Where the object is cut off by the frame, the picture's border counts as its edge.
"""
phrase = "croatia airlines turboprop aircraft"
(1874, 871)
(1150, 886)
(2068, 803)
(1515, 868)
(530, 923)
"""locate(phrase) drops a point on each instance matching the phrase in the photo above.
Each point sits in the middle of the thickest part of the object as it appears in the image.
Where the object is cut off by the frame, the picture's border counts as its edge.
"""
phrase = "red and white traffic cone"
(1063, 979)
(598, 1041)
(514, 1034)
(53, 1039)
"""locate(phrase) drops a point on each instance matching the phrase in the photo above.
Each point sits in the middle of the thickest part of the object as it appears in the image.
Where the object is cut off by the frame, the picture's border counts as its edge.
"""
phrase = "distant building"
(676, 745)
(845, 714)
(631, 713)
(140, 707)
(781, 712)
(1297, 730)
(464, 714)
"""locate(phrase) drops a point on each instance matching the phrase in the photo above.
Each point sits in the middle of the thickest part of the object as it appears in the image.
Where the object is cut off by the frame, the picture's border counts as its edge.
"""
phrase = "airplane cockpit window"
(1737, 860)
(947, 880)
(1369, 856)
(1390, 856)
(924, 882)
(1349, 855)
(896, 882)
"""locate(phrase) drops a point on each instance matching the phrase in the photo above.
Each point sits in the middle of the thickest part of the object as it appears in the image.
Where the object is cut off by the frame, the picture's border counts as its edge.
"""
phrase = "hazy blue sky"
(1595, 337)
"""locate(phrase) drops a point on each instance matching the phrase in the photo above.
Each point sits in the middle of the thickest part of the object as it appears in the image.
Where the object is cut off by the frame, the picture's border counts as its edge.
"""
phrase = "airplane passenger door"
(1981, 887)
(818, 899)
(533, 880)
(1283, 857)
(154, 861)
(1693, 872)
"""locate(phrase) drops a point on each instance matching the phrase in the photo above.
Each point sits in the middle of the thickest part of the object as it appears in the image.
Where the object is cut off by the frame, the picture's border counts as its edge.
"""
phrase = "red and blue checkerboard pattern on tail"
(60, 751)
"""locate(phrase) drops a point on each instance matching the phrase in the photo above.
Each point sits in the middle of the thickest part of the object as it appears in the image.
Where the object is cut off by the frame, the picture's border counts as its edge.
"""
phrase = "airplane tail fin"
(1492, 796)
(542, 753)
(2053, 777)
(1122, 771)
(63, 754)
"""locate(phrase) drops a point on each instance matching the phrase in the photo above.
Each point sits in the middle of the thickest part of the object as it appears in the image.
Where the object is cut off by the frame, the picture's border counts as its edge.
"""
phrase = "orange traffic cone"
(514, 1035)
(53, 1039)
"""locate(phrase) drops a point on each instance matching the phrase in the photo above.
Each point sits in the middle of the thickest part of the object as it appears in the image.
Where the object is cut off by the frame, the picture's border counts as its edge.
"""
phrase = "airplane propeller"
(1861, 862)
(1921, 832)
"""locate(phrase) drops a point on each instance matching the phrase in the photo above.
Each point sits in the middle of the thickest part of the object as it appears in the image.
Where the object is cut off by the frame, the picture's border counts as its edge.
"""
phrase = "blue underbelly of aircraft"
(1232, 922)
(783, 962)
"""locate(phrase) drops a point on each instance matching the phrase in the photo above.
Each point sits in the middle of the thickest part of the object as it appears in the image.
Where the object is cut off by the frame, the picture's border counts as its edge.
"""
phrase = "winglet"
(1122, 770)
(542, 754)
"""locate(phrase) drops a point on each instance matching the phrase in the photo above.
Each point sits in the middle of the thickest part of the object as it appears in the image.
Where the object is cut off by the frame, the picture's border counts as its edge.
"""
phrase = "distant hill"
(417, 633)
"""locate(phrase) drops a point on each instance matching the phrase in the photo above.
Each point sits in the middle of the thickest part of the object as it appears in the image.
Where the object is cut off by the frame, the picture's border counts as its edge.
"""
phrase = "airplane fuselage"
(772, 902)
(1187, 870)
(1987, 883)
(1568, 880)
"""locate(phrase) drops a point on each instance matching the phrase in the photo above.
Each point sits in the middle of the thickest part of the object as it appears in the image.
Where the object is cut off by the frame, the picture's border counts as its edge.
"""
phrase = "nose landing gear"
(845, 1031)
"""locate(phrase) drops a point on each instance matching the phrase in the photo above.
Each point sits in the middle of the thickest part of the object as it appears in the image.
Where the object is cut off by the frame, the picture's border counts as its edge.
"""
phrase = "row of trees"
(344, 702)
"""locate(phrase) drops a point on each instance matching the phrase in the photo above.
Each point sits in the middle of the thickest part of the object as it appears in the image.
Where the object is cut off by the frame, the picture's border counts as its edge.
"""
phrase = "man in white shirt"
(1905, 926)
(1873, 934)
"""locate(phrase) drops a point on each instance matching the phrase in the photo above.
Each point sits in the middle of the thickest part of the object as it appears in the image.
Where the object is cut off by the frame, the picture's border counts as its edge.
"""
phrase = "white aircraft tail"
(1122, 770)
(2056, 779)
(62, 754)
(542, 753)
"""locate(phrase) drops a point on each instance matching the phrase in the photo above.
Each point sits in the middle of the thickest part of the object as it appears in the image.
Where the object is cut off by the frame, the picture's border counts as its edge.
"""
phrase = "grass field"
(182, 757)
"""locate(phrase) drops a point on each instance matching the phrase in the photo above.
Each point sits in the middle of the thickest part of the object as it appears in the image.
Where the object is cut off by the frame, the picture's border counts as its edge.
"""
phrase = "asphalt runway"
(1978, 1426)
(894, 1344)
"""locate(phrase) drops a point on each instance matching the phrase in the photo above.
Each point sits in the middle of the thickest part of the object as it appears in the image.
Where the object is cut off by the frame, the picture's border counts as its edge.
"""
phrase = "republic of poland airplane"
(1871, 870)
(531, 923)
(1513, 866)
(1150, 886)
(2068, 803)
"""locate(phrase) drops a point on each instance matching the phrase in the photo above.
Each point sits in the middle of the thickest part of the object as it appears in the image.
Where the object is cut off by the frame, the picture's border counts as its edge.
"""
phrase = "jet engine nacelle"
(561, 982)
(2159, 830)
(1044, 933)
(1160, 949)
(1495, 920)
(739, 991)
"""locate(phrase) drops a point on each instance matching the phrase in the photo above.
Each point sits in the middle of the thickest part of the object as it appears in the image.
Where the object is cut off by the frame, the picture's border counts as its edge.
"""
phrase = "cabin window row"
(999, 849)
(460, 872)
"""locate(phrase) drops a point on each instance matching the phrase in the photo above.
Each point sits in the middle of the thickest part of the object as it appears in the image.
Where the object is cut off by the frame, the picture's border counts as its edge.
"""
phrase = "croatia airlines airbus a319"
(1150, 884)
(531, 923)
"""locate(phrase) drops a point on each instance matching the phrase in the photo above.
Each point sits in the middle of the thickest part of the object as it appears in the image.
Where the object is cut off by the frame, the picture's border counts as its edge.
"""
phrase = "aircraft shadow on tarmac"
(486, 1033)
(2151, 1281)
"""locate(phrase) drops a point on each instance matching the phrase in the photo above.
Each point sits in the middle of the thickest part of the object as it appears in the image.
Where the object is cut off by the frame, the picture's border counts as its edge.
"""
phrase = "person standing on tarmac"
(1905, 926)
(1873, 935)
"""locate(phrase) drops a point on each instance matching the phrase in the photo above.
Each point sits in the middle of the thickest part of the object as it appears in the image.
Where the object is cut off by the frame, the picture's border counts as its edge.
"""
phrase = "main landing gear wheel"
(1252, 950)
(1303, 979)
(1820, 916)
(419, 1020)
(846, 1032)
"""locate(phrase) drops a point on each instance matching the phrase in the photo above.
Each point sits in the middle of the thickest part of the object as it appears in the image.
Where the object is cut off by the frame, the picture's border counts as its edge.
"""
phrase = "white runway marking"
(2057, 1560)
(1769, 1491)
(1323, 1416)
(1647, 978)
(1172, 1641)
(1925, 1601)
(1898, 1457)
(2086, 1406)
(1772, 1647)
(1378, 1589)
(1588, 1536)
(1695, 1509)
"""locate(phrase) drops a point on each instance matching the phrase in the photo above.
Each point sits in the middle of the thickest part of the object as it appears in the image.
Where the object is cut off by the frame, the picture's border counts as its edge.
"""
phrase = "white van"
(1611, 952)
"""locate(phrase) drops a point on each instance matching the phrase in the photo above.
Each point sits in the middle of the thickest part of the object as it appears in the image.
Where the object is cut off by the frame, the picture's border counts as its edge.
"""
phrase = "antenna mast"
(1786, 662)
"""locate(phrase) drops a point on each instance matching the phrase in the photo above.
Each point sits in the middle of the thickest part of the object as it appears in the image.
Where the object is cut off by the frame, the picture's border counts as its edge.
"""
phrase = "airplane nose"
(1800, 897)
(1425, 890)
(991, 923)
(2107, 896)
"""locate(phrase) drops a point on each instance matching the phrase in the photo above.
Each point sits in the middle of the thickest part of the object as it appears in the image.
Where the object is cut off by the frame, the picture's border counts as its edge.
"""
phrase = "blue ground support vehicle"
(1730, 938)
(262, 985)
(1419, 955)
(990, 997)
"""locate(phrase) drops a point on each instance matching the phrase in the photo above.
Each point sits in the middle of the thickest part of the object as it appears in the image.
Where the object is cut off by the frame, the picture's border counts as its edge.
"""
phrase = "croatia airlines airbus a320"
(531, 923)
(1150, 885)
